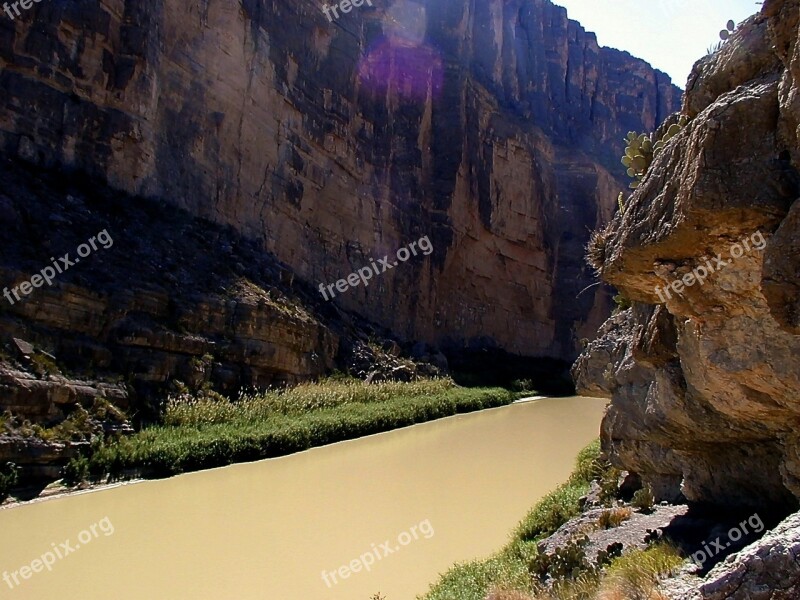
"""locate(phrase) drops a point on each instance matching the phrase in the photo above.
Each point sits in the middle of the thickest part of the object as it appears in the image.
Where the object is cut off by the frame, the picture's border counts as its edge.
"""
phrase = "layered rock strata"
(492, 127)
(704, 378)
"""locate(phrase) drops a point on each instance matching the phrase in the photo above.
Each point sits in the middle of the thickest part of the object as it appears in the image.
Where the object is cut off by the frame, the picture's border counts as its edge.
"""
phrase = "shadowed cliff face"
(493, 127)
(704, 378)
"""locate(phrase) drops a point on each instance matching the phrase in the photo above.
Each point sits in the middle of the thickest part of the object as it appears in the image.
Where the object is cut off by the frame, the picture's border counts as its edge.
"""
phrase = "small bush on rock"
(644, 499)
(9, 476)
(567, 562)
(614, 517)
(596, 249)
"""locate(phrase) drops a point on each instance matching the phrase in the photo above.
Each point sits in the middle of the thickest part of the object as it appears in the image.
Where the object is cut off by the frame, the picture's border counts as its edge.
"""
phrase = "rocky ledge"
(702, 370)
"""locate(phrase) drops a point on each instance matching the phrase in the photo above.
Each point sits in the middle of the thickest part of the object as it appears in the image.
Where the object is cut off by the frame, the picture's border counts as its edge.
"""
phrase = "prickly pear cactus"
(726, 33)
(640, 150)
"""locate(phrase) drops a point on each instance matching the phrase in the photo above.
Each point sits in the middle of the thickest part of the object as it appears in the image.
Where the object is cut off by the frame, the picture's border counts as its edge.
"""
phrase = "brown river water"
(387, 513)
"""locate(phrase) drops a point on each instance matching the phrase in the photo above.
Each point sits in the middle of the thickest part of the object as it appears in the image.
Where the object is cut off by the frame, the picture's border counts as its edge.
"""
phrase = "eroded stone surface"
(768, 569)
(705, 385)
(255, 114)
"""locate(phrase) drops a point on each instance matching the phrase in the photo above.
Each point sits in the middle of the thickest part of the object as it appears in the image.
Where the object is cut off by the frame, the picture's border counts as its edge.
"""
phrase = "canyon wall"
(491, 126)
(703, 370)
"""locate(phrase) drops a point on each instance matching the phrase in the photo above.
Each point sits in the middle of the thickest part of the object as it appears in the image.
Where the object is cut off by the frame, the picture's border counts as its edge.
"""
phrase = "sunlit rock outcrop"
(704, 375)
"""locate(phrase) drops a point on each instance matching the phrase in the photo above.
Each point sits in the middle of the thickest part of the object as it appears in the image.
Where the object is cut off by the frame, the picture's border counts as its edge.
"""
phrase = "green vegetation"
(206, 432)
(567, 562)
(644, 499)
(8, 479)
(76, 471)
(510, 568)
(609, 484)
(641, 150)
(80, 425)
(516, 572)
(596, 249)
(44, 365)
(724, 34)
(634, 575)
(622, 303)
(523, 387)
(730, 27)
(614, 517)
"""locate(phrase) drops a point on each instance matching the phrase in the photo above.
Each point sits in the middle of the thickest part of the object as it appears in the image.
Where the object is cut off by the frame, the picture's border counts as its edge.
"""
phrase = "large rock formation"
(768, 569)
(492, 127)
(704, 376)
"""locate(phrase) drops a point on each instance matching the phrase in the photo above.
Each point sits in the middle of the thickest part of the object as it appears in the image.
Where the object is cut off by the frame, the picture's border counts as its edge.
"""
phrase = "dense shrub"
(9, 476)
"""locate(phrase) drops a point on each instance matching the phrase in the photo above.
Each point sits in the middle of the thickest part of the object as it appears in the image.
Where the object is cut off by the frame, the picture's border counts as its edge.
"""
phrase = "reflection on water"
(385, 513)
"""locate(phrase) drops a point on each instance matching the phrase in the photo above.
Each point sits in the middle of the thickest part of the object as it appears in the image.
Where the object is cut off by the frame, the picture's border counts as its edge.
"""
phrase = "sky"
(669, 34)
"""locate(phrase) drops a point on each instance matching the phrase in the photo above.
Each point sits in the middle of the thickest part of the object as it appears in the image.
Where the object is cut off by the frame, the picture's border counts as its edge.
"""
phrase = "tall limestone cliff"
(491, 126)
(705, 378)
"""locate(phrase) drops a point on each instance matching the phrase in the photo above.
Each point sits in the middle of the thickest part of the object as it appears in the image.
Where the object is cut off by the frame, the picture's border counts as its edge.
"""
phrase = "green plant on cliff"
(631, 576)
(43, 365)
(9, 476)
(730, 27)
(641, 149)
(77, 427)
(609, 485)
(596, 249)
(614, 517)
(622, 302)
(724, 34)
(635, 575)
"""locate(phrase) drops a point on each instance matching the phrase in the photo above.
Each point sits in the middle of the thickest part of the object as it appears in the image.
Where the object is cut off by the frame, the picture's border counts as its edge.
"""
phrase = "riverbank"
(527, 568)
(202, 433)
(295, 516)
(601, 536)
(191, 411)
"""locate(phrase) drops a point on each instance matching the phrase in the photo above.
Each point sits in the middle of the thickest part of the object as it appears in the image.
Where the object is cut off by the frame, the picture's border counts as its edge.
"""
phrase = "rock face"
(492, 127)
(704, 376)
(768, 569)
(166, 296)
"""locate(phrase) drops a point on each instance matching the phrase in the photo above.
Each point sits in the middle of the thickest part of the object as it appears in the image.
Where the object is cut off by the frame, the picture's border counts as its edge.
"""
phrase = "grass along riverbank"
(211, 432)
(514, 572)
